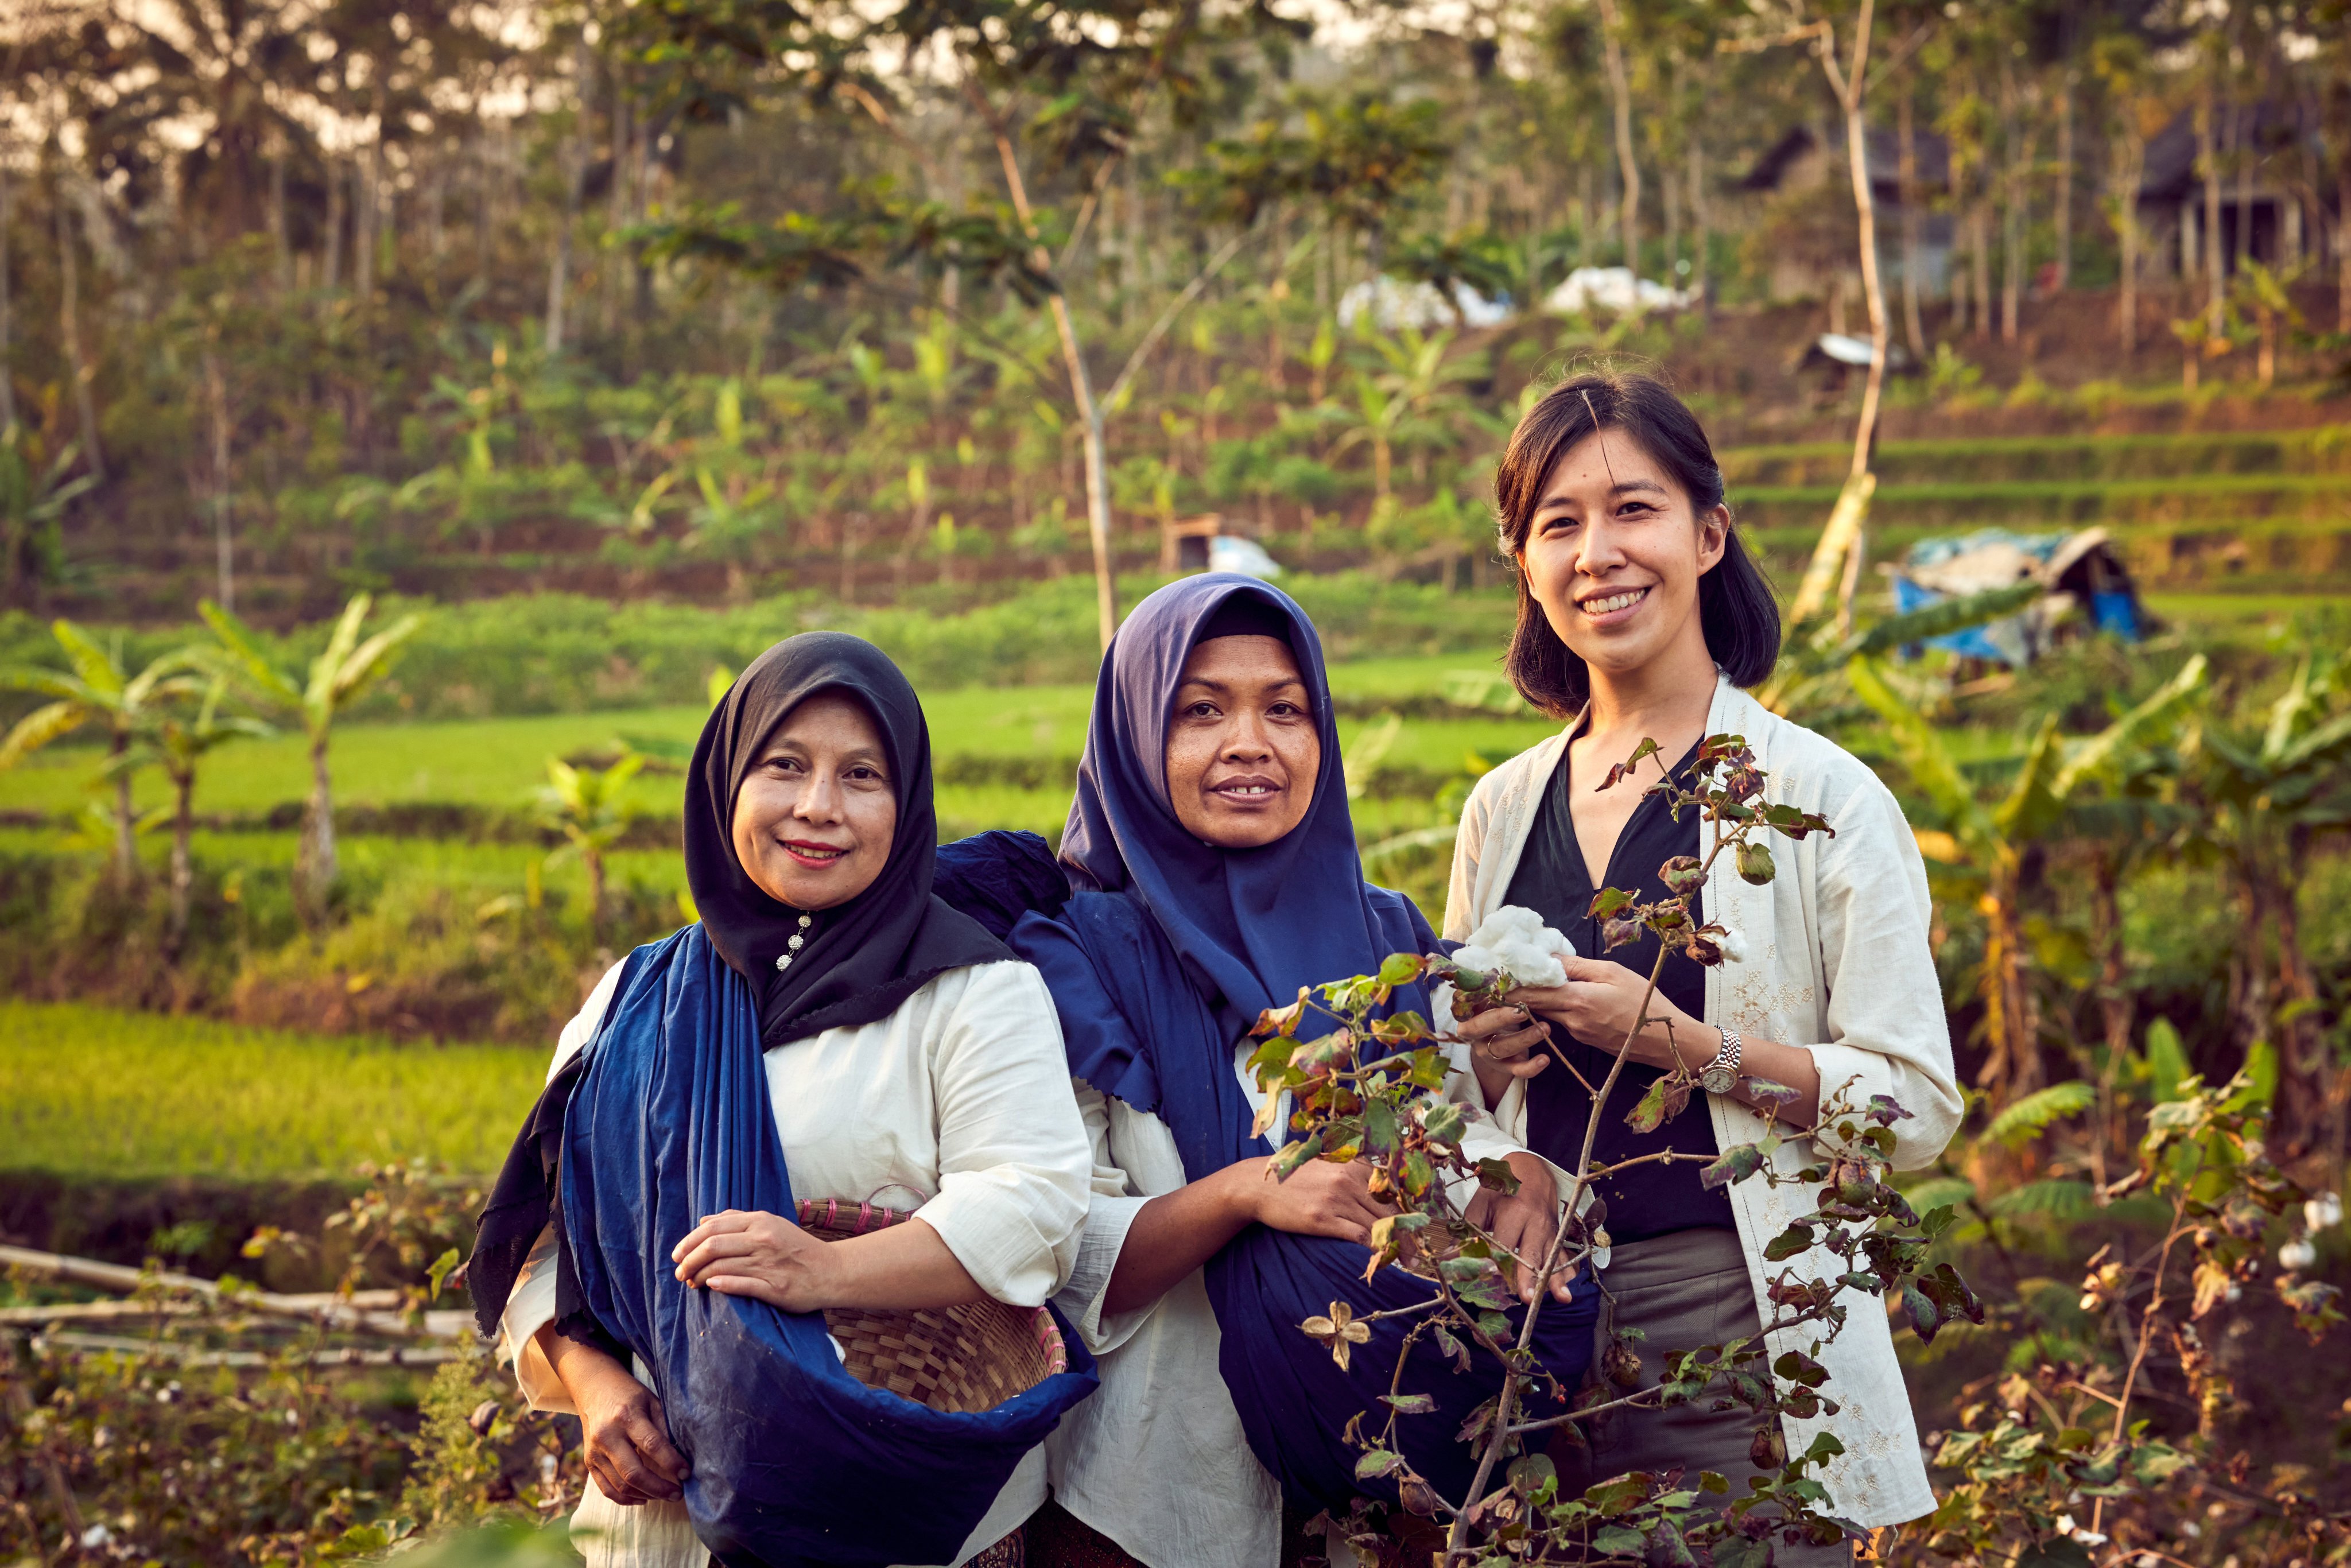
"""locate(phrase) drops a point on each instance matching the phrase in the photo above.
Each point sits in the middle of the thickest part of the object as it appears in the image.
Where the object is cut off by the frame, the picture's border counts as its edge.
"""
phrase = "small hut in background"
(2086, 589)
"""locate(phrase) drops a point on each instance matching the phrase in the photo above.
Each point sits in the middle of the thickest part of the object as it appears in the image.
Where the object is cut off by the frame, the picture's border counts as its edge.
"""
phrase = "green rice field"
(106, 1094)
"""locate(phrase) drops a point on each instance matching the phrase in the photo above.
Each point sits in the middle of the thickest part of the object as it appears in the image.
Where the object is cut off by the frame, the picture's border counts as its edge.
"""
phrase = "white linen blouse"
(956, 1104)
(1837, 962)
(1158, 1459)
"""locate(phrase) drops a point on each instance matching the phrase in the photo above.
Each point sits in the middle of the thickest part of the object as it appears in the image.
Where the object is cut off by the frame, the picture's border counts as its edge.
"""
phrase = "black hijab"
(859, 961)
(855, 963)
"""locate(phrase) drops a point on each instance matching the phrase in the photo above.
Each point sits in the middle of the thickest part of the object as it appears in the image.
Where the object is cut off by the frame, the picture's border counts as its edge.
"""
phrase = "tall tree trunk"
(1914, 331)
(1864, 206)
(482, 206)
(70, 333)
(223, 552)
(184, 873)
(1981, 247)
(279, 239)
(2343, 239)
(2241, 150)
(126, 819)
(7, 308)
(2215, 264)
(2065, 215)
(314, 856)
(2129, 168)
(2013, 1068)
(2015, 197)
(575, 170)
(363, 225)
(1701, 221)
(1081, 392)
(2114, 995)
(1620, 98)
(330, 266)
(616, 205)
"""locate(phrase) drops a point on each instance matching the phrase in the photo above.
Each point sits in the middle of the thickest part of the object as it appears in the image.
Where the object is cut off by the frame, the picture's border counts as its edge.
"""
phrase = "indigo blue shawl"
(1162, 963)
(796, 1464)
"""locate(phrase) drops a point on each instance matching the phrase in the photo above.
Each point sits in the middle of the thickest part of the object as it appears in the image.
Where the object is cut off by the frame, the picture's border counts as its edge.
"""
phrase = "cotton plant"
(1366, 1084)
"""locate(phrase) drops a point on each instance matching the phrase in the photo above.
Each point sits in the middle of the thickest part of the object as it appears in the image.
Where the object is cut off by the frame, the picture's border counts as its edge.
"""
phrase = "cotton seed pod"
(1621, 1364)
(1769, 1451)
(1755, 867)
(1417, 1497)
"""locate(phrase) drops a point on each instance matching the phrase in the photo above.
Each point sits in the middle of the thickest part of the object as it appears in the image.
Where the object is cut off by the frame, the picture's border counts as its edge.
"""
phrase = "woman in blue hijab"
(1217, 873)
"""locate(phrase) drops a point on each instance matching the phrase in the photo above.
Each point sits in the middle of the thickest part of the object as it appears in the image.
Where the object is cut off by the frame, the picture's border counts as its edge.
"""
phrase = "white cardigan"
(1837, 960)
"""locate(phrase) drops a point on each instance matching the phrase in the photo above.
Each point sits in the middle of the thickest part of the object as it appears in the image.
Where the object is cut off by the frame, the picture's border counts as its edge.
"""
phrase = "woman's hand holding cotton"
(760, 1255)
(1598, 1004)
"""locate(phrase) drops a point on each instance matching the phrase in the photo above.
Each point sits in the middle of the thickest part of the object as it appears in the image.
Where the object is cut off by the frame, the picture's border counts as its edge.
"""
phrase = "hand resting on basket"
(753, 1253)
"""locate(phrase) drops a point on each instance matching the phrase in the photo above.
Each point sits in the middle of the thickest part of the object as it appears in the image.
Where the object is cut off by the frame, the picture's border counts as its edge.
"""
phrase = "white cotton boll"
(2297, 1253)
(1733, 944)
(1515, 940)
(2326, 1209)
(1479, 959)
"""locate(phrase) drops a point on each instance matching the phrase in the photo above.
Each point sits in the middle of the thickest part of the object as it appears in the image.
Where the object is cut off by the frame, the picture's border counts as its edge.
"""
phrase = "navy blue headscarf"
(1159, 967)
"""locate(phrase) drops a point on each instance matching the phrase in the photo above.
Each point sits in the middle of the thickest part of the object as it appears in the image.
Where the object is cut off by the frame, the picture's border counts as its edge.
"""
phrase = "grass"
(99, 1092)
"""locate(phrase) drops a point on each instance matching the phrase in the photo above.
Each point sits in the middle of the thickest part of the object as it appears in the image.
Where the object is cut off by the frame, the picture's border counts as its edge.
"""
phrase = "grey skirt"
(1683, 1289)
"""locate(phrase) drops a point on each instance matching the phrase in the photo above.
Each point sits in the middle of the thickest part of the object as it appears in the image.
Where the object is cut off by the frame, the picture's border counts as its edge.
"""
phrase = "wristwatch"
(1720, 1076)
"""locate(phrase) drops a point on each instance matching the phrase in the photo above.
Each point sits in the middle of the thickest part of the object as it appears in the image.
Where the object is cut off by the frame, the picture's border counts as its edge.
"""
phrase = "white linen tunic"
(1837, 962)
(1157, 1460)
(956, 1105)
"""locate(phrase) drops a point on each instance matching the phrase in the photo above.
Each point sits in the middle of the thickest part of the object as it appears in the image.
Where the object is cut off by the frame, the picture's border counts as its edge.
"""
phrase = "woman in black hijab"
(897, 1051)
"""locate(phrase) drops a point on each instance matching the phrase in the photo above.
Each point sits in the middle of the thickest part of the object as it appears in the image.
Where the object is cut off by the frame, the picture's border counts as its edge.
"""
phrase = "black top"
(1552, 879)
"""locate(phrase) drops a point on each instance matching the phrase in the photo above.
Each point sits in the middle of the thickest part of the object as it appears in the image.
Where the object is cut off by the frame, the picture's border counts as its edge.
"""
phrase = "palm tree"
(338, 677)
(179, 746)
(98, 690)
(584, 804)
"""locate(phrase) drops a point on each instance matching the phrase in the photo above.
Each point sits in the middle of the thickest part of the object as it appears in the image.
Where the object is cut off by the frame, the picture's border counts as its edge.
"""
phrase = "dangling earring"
(784, 959)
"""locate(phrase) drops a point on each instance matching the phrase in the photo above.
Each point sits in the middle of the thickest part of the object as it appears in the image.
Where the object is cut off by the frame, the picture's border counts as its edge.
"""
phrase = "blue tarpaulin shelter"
(2088, 589)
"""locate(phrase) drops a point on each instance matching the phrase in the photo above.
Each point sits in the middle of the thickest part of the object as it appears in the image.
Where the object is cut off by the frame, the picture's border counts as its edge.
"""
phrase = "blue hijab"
(1162, 962)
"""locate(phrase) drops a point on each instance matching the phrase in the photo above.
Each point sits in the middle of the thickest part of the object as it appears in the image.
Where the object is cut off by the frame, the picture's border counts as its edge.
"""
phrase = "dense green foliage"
(735, 305)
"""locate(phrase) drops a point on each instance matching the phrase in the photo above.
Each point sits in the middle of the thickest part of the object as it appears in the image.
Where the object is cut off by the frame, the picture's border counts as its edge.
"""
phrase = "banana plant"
(96, 689)
(179, 745)
(1987, 844)
(584, 804)
(33, 500)
(2264, 797)
(344, 673)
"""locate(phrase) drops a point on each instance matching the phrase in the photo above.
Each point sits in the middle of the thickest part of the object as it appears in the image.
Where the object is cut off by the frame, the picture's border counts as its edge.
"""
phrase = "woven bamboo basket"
(956, 1359)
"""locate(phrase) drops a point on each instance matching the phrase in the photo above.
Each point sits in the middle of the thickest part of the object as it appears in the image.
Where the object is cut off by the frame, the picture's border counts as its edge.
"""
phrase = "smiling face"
(814, 818)
(1243, 748)
(1614, 554)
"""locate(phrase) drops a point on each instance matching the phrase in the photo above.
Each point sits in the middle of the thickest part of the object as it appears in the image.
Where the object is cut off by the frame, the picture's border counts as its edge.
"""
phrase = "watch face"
(1718, 1080)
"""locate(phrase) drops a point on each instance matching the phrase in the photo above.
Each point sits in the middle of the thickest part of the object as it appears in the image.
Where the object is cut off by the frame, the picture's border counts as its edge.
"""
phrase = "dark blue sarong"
(1139, 1031)
(796, 1464)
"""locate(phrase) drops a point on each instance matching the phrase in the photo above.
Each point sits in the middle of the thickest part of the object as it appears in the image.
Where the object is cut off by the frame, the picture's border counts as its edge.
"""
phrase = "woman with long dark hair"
(829, 1031)
(1642, 617)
